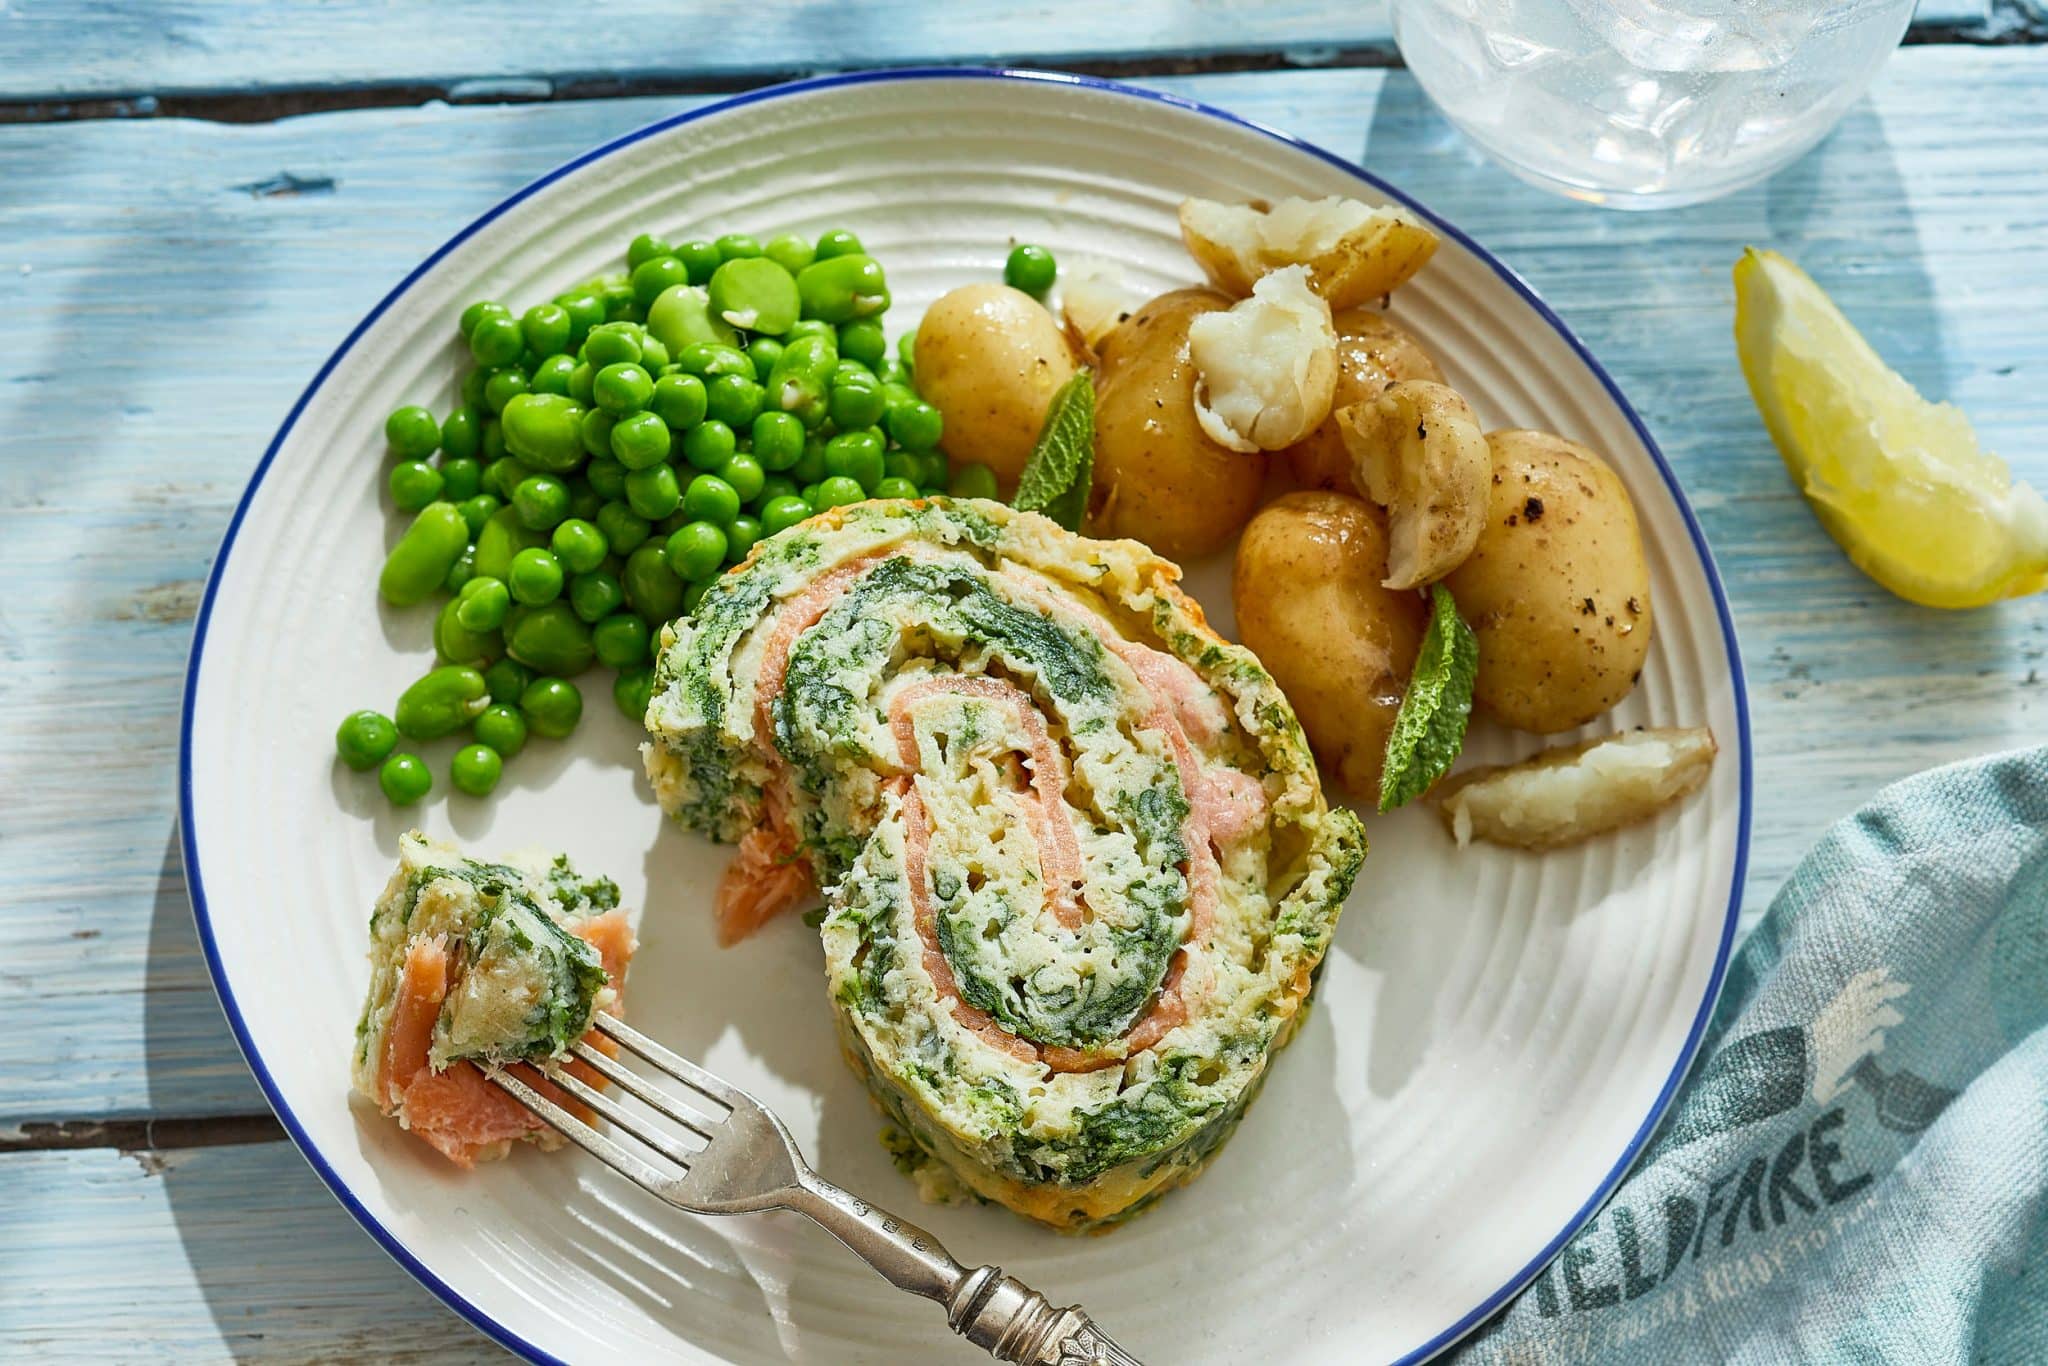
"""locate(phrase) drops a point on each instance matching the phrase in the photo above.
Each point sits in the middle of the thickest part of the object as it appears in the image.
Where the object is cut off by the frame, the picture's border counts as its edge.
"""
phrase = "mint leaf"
(1429, 730)
(1057, 477)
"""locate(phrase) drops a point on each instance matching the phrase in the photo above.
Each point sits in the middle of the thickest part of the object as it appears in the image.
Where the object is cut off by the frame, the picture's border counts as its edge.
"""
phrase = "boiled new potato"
(990, 358)
(1310, 605)
(1417, 451)
(1372, 352)
(1267, 365)
(1354, 252)
(1158, 475)
(1557, 590)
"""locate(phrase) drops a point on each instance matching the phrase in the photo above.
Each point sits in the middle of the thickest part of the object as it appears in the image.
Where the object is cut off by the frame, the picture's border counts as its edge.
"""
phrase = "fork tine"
(621, 1116)
(681, 1068)
(634, 1084)
(581, 1134)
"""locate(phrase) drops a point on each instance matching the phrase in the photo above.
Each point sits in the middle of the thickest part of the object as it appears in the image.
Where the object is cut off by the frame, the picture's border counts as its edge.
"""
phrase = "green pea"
(596, 595)
(475, 770)
(900, 464)
(364, 738)
(764, 352)
(711, 499)
(778, 440)
(774, 486)
(581, 382)
(740, 537)
(502, 387)
(501, 726)
(812, 327)
(550, 639)
(476, 312)
(611, 343)
(552, 707)
(490, 441)
(405, 779)
(809, 493)
(896, 396)
(734, 400)
(654, 492)
(504, 475)
(623, 528)
(856, 403)
(696, 550)
(412, 433)
(682, 317)
(506, 679)
(745, 475)
(461, 478)
(679, 401)
(503, 536)
(585, 311)
(810, 466)
(542, 501)
(863, 340)
(837, 491)
(842, 288)
(652, 588)
(455, 643)
(693, 595)
(496, 340)
(631, 692)
(645, 247)
(556, 375)
(472, 388)
(607, 478)
(579, 545)
(440, 702)
(622, 388)
(709, 444)
(916, 426)
(595, 431)
(856, 456)
(974, 480)
(462, 570)
(414, 484)
(461, 432)
(653, 276)
(640, 441)
(896, 488)
(621, 641)
(700, 257)
(617, 293)
(535, 577)
(546, 328)
(736, 246)
(482, 604)
(838, 242)
(893, 371)
(420, 561)
(789, 251)
(1030, 269)
(708, 360)
(477, 509)
(934, 471)
(799, 382)
(755, 294)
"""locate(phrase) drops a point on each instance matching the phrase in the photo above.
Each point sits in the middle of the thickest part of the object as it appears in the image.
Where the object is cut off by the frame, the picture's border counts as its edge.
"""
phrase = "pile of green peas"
(613, 452)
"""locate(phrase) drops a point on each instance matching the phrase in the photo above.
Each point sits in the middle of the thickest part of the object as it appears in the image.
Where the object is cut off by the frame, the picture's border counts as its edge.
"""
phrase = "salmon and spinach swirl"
(1077, 867)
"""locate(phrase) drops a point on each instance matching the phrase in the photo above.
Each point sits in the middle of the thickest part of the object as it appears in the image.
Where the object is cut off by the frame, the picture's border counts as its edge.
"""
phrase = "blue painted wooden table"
(199, 197)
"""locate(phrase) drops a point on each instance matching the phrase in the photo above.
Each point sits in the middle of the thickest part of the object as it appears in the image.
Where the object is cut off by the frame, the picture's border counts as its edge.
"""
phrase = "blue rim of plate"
(189, 847)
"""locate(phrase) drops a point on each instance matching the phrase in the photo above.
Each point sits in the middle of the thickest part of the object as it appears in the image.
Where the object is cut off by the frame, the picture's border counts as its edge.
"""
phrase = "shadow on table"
(280, 1264)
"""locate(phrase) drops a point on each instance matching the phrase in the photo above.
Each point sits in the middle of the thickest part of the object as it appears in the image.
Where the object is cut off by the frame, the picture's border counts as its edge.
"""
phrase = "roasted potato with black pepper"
(1557, 589)
(1158, 475)
(1372, 352)
(990, 358)
(1311, 606)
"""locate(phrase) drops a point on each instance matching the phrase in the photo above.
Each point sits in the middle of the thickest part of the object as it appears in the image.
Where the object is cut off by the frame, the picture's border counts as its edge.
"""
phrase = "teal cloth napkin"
(1857, 1168)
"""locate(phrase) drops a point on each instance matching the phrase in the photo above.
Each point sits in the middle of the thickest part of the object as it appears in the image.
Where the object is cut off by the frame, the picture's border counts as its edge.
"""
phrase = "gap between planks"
(2009, 23)
(143, 1135)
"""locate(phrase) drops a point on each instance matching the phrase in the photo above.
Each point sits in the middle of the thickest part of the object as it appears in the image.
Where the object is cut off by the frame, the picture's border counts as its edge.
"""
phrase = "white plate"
(1495, 1036)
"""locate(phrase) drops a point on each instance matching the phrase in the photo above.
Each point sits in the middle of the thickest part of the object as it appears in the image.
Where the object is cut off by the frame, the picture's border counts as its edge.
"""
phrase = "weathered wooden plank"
(78, 49)
(199, 305)
(202, 1255)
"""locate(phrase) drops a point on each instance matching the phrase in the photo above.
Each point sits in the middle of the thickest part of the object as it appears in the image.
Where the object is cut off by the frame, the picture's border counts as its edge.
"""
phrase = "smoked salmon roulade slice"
(1076, 866)
(473, 962)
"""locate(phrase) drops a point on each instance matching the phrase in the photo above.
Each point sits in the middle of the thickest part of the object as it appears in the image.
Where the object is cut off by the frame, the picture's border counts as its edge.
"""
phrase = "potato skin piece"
(1557, 590)
(1310, 606)
(990, 358)
(1158, 476)
(1593, 786)
(1372, 352)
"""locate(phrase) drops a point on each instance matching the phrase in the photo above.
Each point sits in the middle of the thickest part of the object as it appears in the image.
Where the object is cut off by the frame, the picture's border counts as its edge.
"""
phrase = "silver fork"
(750, 1164)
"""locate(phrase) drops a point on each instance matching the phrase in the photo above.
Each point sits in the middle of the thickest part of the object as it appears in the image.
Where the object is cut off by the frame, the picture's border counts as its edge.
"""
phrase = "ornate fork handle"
(994, 1311)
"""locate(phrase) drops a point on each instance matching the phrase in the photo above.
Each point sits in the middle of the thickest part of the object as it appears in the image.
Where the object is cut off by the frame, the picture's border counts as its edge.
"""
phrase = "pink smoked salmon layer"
(457, 1109)
(767, 877)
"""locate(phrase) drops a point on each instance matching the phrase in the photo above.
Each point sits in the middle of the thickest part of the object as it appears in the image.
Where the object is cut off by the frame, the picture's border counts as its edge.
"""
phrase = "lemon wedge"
(1899, 482)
